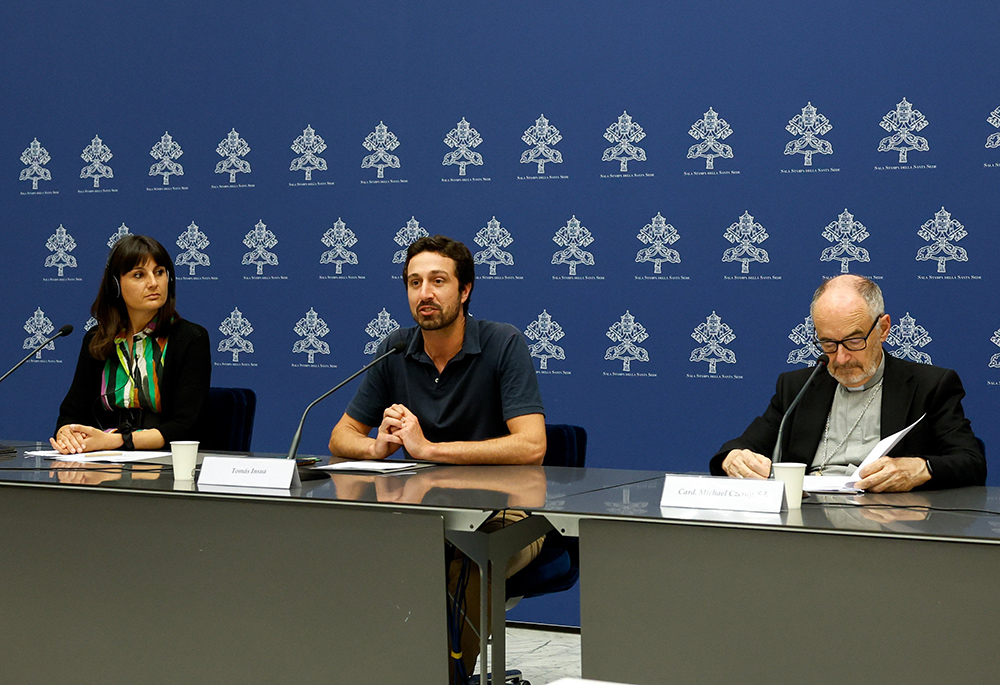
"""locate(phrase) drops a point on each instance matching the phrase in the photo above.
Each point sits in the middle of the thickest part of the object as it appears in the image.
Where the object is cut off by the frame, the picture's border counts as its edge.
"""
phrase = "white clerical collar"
(873, 381)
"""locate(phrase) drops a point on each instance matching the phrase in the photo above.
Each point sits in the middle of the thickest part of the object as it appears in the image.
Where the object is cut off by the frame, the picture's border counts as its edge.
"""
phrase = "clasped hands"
(74, 438)
(885, 474)
(401, 427)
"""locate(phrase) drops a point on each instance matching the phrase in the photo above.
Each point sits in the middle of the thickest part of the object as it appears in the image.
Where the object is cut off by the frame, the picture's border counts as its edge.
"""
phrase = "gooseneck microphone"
(65, 330)
(821, 363)
(398, 347)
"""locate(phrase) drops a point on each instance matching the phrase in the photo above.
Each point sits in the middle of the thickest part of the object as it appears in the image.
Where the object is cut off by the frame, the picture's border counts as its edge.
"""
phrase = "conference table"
(111, 570)
(869, 588)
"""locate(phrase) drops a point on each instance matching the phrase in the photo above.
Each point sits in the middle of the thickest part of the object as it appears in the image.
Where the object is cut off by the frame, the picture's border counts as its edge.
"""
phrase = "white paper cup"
(184, 457)
(791, 475)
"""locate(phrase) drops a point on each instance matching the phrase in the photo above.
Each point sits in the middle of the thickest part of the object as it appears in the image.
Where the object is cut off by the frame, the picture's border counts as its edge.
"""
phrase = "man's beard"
(442, 318)
(854, 372)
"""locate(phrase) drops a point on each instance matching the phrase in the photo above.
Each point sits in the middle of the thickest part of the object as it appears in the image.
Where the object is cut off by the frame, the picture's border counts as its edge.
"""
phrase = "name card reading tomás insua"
(731, 494)
(254, 472)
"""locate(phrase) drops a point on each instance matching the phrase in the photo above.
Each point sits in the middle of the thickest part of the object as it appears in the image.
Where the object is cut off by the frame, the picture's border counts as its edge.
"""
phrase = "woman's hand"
(74, 438)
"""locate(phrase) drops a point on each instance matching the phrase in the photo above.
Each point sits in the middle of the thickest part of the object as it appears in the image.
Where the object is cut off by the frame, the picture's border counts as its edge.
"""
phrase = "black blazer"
(187, 371)
(909, 390)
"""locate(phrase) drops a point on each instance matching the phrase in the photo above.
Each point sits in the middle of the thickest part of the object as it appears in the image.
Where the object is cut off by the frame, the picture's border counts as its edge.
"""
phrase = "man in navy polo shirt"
(463, 391)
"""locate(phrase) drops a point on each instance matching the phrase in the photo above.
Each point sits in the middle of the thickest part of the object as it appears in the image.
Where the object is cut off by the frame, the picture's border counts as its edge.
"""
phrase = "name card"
(731, 494)
(252, 472)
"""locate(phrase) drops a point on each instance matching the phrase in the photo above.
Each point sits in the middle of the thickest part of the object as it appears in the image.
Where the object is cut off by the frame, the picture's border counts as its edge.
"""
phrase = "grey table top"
(963, 513)
(971, 513)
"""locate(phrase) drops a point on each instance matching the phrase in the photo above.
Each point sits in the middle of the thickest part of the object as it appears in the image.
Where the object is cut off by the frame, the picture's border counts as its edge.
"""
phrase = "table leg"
(492, 552)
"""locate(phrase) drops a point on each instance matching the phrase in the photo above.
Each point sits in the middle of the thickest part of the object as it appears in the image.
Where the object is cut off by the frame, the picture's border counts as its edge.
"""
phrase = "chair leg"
(512, 677)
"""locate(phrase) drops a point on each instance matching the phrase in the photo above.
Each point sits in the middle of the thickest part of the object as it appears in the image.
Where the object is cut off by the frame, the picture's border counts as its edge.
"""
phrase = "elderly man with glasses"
(866, 396)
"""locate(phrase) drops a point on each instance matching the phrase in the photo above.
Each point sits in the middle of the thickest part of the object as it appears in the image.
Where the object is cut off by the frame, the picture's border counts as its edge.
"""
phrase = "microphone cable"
(457, 612)
(912, 507)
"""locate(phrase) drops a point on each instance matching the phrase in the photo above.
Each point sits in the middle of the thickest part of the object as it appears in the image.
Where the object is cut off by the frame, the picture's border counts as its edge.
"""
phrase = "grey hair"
(867, 289)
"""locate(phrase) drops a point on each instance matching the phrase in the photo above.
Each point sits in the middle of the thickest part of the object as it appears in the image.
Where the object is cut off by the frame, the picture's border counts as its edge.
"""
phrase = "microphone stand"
(65, 330)
(821, 363)
(398, 347)
(10, 450)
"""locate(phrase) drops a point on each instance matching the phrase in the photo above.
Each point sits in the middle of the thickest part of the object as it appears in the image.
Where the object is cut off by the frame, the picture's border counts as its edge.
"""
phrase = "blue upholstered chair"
(230, 419)
(557, 566)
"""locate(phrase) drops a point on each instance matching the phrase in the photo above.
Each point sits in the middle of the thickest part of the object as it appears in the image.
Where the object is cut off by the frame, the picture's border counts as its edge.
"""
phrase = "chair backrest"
(230, 419)
(567, 445)
(557, 567)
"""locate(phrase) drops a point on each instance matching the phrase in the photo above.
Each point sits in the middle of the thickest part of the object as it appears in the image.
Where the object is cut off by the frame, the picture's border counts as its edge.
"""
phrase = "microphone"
(398, 347)
(821, 363)
(65, 330)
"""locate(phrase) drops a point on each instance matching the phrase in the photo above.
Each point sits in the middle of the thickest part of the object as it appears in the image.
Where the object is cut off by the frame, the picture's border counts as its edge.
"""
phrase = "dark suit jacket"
(909, 390)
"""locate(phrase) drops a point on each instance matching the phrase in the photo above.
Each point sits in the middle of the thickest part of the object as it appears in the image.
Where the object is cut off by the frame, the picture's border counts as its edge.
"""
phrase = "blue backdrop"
(660, 261)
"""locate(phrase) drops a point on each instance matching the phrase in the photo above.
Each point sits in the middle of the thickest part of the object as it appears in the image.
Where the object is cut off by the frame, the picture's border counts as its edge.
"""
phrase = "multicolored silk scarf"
(131, 378)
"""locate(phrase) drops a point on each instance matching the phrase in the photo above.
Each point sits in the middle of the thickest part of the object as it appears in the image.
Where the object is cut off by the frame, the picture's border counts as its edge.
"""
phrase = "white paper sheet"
(368, 466)
(113, 456)
(830, 484)
(884, 446)
(846, 484)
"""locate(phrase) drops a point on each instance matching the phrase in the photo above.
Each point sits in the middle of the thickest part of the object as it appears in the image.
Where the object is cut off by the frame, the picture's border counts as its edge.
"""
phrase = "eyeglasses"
(852, 344)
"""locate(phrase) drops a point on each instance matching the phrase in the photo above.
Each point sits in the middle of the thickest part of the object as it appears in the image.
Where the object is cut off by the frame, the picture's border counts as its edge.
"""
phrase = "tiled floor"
(543, 656)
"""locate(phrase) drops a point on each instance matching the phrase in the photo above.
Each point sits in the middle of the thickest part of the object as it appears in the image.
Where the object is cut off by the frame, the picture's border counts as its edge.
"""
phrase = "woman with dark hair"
(143, 374)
